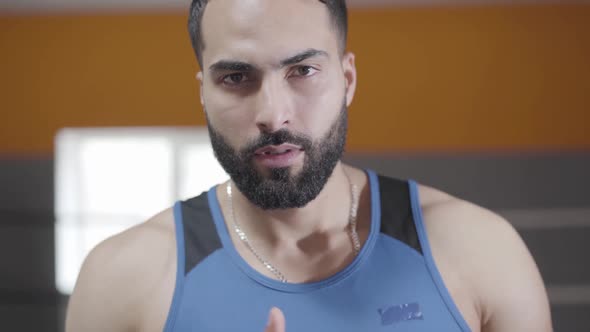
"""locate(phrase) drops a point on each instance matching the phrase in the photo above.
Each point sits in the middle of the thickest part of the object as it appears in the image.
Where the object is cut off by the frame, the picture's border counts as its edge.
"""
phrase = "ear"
(349, 69)
(200, 78)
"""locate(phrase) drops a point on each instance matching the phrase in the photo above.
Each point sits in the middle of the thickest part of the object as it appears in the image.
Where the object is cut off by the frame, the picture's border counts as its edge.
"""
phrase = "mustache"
(276, 138)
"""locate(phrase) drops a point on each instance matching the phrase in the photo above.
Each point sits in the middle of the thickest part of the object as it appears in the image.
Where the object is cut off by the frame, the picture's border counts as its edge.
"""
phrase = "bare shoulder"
(120, 274)
(458, 219)
(495, 279)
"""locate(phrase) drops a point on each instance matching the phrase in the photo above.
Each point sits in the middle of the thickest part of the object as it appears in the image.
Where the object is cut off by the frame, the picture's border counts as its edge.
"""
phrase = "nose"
(274, 105)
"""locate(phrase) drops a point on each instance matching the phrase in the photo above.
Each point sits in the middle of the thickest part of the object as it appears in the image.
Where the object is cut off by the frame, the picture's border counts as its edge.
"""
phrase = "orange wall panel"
(434, 79)
(119, 70)
(473, 78)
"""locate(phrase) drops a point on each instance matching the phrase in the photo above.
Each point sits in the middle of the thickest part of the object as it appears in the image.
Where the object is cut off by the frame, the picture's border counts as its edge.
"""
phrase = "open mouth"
(277, 150)
(278, 156)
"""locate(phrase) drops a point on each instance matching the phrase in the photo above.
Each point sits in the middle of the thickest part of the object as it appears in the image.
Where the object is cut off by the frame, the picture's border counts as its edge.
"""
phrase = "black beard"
(281, 190)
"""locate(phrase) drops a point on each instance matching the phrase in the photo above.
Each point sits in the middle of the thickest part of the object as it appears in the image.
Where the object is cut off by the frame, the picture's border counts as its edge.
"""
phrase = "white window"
(110, 179)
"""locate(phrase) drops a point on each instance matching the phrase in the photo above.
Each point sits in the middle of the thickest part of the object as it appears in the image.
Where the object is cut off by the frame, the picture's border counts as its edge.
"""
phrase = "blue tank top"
(391, 285)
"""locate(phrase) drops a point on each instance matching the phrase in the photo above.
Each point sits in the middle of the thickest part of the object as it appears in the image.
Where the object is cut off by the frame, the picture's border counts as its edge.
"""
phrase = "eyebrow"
(239, 66)
(229, 65)
(309, 53)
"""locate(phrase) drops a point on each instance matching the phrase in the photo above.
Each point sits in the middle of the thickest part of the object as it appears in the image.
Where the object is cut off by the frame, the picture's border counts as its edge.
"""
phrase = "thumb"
(276, 321)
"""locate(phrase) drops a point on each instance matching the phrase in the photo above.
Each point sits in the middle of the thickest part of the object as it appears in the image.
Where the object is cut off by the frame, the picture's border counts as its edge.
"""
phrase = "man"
(322, 245)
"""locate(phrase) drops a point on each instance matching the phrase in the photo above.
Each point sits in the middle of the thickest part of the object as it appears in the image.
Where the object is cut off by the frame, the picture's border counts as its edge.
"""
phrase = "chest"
(380, 292)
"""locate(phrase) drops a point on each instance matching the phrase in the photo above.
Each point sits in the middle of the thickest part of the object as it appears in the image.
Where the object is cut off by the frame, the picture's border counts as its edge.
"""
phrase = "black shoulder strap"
(200, 235)
(397, 219)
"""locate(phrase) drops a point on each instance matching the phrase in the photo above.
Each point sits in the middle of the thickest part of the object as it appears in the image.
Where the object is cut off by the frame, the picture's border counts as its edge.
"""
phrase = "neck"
(327, 213)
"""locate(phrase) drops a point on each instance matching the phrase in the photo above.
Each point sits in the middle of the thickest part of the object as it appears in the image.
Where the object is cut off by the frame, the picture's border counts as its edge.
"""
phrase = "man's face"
(275, 89)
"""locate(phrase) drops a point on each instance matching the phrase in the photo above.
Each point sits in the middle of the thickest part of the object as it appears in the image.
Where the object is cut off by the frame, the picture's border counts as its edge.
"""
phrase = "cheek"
(319, 107)
(232, 118)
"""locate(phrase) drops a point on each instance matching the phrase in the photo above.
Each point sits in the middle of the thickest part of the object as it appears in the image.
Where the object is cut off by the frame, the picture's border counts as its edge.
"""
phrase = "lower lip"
(278, 160)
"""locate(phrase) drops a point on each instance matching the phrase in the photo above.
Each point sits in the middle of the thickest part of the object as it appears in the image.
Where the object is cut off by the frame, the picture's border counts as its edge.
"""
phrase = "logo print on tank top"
(399, 313)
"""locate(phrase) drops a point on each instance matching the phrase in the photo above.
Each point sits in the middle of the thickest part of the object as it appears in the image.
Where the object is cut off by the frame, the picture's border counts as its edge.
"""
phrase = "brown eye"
(233, 79)
(304, 71)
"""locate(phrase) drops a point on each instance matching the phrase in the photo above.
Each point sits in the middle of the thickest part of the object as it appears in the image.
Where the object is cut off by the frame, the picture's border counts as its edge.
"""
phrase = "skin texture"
(127, 282)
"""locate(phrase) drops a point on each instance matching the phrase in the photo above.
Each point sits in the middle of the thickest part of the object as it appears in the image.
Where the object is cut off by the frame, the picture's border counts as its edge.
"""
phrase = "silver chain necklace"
(351, 229)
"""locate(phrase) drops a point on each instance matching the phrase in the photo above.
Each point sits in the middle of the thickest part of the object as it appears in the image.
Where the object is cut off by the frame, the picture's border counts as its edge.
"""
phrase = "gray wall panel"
(571, 318)
(26, 184)
(563, 255)
(496, 181)
(27, 254)
(30, 318)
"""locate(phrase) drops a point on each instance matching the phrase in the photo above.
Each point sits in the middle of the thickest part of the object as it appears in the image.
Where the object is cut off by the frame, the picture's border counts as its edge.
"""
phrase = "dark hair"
(337, 9)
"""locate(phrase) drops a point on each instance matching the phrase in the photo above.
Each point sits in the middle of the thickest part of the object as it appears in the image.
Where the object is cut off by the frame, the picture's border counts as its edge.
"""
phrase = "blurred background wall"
(489, 101)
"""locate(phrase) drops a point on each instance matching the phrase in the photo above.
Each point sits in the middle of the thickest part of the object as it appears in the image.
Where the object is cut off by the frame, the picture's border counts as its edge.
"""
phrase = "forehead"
(260, 31)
